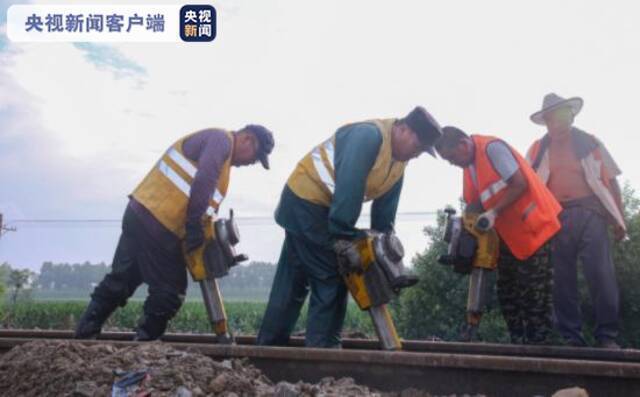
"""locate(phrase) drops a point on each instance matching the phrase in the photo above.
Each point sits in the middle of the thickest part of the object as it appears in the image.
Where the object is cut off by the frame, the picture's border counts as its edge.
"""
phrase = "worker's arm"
(474, 208)
(356, 150)
(214, 149)
(612, 170)
(618, 231)
(617, 194)
(529, 156)
(384, 208)
(507, 167)
(516, 186)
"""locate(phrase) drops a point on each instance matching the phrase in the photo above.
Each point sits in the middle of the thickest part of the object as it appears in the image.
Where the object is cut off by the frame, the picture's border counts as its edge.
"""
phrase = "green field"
(244, 317)
(193, 293)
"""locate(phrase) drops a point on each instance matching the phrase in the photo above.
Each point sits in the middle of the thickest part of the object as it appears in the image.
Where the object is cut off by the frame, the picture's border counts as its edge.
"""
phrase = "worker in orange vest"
(500, 185)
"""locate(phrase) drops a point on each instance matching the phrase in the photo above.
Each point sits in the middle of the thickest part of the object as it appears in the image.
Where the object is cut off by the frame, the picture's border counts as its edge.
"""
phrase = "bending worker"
(320, 205)
(164, 219)
(501, 186)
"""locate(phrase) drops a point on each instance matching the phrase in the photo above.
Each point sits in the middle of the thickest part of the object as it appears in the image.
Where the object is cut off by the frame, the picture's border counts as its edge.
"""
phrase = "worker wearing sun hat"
(581, 174)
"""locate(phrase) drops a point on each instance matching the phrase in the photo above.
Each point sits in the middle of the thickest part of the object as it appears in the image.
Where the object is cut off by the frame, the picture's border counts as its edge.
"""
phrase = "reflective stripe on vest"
(166, 189)
(174, 177)
(326, 174)
(188, 168)
(182, 161)
(314, 177)
(489, 192)
(492, 190)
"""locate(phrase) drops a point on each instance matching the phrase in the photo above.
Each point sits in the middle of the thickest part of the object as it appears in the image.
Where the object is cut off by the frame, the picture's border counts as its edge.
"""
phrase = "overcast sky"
(81, 124)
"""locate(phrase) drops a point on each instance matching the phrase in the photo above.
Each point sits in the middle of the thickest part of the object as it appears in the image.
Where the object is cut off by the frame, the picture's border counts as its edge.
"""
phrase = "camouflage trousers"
(525, 296)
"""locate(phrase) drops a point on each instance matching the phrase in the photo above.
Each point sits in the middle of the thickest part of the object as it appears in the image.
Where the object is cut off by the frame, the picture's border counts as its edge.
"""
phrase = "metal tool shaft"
(385, 329)
(215, 309)
(476, 300)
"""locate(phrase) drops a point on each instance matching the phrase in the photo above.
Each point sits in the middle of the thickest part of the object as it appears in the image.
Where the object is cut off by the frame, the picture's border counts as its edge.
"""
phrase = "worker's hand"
(348, 256)
(194, 237)
(486, 221)
(619, 233)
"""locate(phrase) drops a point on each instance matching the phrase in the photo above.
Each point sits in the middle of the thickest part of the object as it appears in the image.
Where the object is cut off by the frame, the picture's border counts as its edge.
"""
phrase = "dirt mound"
(60, 368)
(54, 368)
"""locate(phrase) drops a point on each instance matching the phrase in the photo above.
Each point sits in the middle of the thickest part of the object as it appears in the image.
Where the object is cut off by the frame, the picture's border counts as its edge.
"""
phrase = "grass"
(193, 293)
(244, 317)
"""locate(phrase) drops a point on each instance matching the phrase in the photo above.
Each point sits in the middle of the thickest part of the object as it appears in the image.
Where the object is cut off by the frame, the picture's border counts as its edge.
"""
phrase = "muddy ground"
(56, 368)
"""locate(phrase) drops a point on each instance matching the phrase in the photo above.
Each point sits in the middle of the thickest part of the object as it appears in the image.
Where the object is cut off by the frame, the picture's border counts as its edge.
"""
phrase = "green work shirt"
(356, 150)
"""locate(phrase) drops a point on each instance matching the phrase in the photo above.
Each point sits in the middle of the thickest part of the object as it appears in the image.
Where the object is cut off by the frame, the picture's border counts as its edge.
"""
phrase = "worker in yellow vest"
(320, 205)
(164, 218)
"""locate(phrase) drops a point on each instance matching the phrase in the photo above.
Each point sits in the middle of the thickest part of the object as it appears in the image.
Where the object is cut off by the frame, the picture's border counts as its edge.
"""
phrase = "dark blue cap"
(265, 142)
(425, 126)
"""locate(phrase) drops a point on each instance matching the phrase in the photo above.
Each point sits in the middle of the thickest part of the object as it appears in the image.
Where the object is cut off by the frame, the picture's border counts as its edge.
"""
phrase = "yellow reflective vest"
(165, 190)
(314, 177)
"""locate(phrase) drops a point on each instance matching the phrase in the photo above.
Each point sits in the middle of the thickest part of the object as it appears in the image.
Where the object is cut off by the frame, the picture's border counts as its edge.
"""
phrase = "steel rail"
(495, 374)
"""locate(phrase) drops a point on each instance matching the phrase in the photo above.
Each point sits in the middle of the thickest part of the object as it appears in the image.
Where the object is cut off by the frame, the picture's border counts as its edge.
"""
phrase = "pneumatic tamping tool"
(212, 261)
(373, 270)
(474, 252)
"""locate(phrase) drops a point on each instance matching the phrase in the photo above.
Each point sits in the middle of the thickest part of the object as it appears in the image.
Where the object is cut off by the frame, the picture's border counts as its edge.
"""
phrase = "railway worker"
(581, 174)
(164, 220)
(500, 185)
(321, 203)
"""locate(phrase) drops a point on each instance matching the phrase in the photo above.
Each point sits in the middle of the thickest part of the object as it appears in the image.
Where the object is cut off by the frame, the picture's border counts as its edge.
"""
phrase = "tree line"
(83, 277)
(433, 308)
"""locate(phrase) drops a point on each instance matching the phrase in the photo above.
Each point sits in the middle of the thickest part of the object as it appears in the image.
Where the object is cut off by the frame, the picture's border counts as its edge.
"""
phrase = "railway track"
(439, 367)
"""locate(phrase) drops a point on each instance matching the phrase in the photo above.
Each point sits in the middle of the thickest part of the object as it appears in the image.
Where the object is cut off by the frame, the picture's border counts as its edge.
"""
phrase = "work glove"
(486, 221)
(348, 255)
(194, 237)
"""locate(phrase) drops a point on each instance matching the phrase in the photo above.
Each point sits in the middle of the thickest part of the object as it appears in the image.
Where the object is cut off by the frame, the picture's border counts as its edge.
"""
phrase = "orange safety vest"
(166, 189)
(527, 223)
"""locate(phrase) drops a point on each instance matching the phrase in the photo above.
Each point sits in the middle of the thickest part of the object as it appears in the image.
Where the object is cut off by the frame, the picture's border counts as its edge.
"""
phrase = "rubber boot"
(90, 324)
(469, 333)
(142, 336)
(150, 328)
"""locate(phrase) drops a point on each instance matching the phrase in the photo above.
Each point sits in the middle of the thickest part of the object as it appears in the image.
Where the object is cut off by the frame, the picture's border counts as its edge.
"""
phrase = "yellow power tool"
(211, 261)
(374, 273)
(472, 252)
